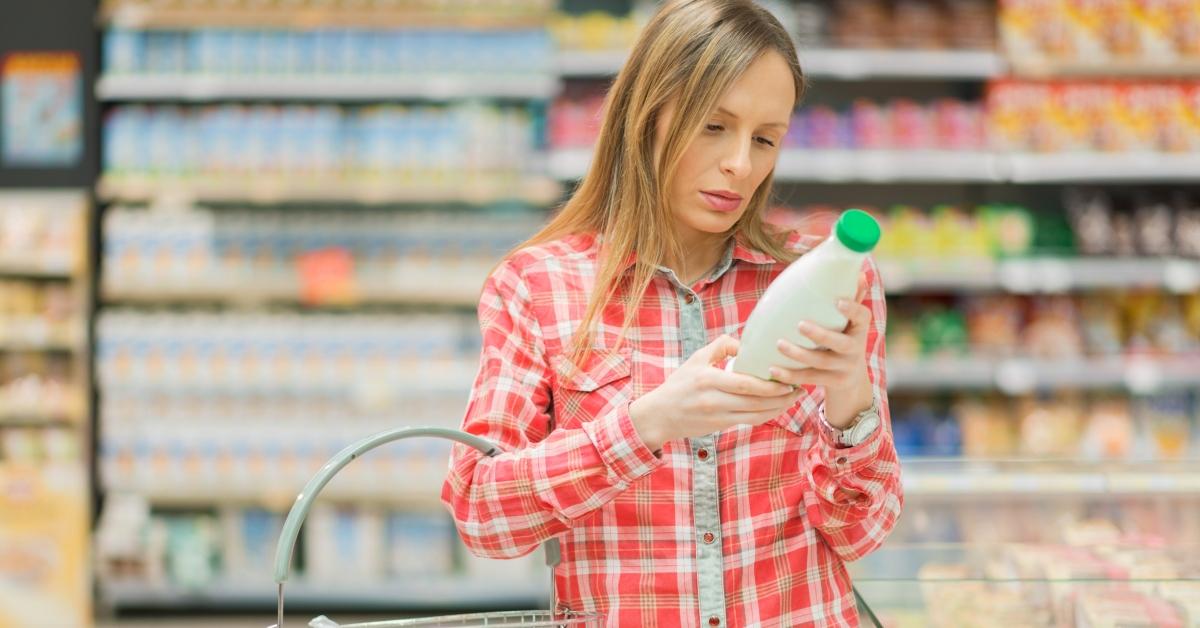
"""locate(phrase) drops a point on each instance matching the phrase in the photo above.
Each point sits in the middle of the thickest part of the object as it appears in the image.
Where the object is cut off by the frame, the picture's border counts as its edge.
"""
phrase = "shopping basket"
(538, 619)
(304, 502)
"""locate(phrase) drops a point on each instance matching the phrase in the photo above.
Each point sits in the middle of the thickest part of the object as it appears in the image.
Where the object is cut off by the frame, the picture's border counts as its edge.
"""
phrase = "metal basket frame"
(304, 502)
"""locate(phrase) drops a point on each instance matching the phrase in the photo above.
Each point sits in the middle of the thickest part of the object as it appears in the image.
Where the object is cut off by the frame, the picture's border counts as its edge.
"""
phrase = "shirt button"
(690, 298)
(714, 621)
(702, 454)
(841, 460)
(709, 537)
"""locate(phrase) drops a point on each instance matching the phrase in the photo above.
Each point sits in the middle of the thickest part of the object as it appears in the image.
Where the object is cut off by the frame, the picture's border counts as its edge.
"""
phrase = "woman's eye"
(713, 127)
(763, 140)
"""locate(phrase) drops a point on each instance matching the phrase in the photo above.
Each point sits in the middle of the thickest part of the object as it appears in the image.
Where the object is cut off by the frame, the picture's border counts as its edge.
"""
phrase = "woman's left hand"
(842, 363)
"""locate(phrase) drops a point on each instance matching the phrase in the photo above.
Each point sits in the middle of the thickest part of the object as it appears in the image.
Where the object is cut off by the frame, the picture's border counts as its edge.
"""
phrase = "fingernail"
(843, 304)
(803, 326)
(780, 344)
(774, 372)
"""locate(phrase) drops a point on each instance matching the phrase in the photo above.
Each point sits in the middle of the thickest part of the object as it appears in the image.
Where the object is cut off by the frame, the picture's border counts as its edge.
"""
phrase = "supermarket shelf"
(336, 88)
(840, 165)
(586, 63)
(148, 15)
(1044, 68)
(946, 166)
(275, 488)
(1104, 167)
(853, 64)
(1041, 275)
(1022, 375)
(417, 592)
(848, 64)
(329, 188)
(861, 165)
(965, 478)
(22, 267)
(35, 335)
(36, 419)
(398, 291)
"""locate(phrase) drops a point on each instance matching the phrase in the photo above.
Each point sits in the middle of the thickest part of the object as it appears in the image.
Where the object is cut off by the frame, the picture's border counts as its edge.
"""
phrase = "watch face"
(864, 428)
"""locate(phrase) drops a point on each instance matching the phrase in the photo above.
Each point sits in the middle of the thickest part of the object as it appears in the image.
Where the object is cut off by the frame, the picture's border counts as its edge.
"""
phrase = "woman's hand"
(840, 366)
(701, 398)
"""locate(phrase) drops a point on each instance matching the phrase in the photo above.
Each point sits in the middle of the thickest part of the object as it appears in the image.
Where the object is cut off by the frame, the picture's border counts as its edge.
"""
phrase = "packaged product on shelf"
(1016, 112)
(871, 125)
(943, 333)
(912, 126)
(192, 552)
(1102, 606)
(1052, 330)
(420, 544)
(1083, 117)
(1011, 229)
(1187, 226)
(958, 125)
(1166, 419)
(1051, 429)
(248, 538)
(971, 24)
(994, 325)
(344, 544)
(862, 24)
(811, 25)
(919, 24)
(989, 430)
(1109, 432)
(1102, 326)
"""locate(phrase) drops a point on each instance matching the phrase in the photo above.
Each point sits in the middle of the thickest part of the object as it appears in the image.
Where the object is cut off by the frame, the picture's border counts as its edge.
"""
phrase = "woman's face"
(734, 152)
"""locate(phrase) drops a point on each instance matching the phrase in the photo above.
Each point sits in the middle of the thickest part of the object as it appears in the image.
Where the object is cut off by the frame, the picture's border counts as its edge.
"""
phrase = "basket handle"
(304, 501)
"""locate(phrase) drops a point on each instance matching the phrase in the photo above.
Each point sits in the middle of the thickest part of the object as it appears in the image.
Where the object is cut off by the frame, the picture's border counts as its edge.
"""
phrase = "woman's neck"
(700, 255)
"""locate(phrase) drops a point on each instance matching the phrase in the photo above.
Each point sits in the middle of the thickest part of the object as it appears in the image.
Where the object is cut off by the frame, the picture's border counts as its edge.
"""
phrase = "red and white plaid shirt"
(746, 527)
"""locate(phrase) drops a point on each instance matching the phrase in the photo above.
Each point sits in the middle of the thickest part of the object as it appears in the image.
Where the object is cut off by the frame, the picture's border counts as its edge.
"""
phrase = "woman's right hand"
(701, 398)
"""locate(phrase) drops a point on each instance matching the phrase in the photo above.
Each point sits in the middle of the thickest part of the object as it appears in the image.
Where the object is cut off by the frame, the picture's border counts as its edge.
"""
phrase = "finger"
(723, 347)
(833, 340)
(748, 385)
(810, 357)
(814, 376)
(860, 294)
(756, 418)
(750, 405)
(858, 315)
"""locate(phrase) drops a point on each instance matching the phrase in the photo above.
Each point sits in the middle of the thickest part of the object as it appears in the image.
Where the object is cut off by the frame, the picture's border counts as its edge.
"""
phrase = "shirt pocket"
(601, 385)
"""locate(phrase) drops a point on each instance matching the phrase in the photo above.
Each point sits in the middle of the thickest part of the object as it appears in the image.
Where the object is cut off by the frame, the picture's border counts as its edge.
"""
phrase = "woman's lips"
(721, 202)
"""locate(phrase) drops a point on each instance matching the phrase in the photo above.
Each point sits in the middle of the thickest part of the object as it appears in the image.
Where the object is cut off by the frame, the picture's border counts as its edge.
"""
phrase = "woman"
(682, 495)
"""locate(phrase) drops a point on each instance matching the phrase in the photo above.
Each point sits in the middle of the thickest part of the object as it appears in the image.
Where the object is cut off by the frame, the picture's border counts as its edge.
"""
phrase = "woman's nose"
(736, 161)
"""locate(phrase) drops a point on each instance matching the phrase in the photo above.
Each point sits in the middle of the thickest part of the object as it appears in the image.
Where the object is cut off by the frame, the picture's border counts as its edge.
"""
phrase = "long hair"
(691, 52)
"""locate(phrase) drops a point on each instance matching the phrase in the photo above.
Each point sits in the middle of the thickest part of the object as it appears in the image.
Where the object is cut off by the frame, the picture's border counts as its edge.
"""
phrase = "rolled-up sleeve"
(855, 494)
(506, 505)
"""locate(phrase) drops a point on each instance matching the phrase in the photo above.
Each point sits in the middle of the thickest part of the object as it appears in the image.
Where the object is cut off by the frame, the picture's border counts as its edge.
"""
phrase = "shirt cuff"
(620, 446)
(843, 460)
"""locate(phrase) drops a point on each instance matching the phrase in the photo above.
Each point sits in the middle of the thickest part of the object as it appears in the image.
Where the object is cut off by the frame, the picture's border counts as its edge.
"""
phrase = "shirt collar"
(735, 251)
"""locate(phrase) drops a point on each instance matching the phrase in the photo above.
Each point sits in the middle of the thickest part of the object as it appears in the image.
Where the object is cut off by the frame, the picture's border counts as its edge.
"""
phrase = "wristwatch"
(863, 426)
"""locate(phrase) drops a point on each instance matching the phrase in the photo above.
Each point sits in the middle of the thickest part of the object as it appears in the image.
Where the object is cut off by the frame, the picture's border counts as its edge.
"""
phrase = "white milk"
(808, 290)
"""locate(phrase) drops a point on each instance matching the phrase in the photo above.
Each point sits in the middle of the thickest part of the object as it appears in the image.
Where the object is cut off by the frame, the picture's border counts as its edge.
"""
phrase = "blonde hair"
(690, 52)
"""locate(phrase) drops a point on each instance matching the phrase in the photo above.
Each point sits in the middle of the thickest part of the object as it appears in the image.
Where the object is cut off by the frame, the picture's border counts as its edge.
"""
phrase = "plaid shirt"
(746, 527)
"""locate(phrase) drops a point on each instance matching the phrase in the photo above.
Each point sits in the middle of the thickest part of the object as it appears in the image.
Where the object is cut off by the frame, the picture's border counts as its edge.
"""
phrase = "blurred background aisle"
(236, 235)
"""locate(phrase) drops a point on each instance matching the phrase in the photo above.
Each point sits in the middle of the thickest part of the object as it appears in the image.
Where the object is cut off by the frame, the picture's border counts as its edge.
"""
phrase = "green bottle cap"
(857, 230)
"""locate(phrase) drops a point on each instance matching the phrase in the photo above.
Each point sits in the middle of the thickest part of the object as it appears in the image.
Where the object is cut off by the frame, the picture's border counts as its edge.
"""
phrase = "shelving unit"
(341, 89)
(831, 63)
(824, 166)
(161, 430)
(302, 188)
(45, 374)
